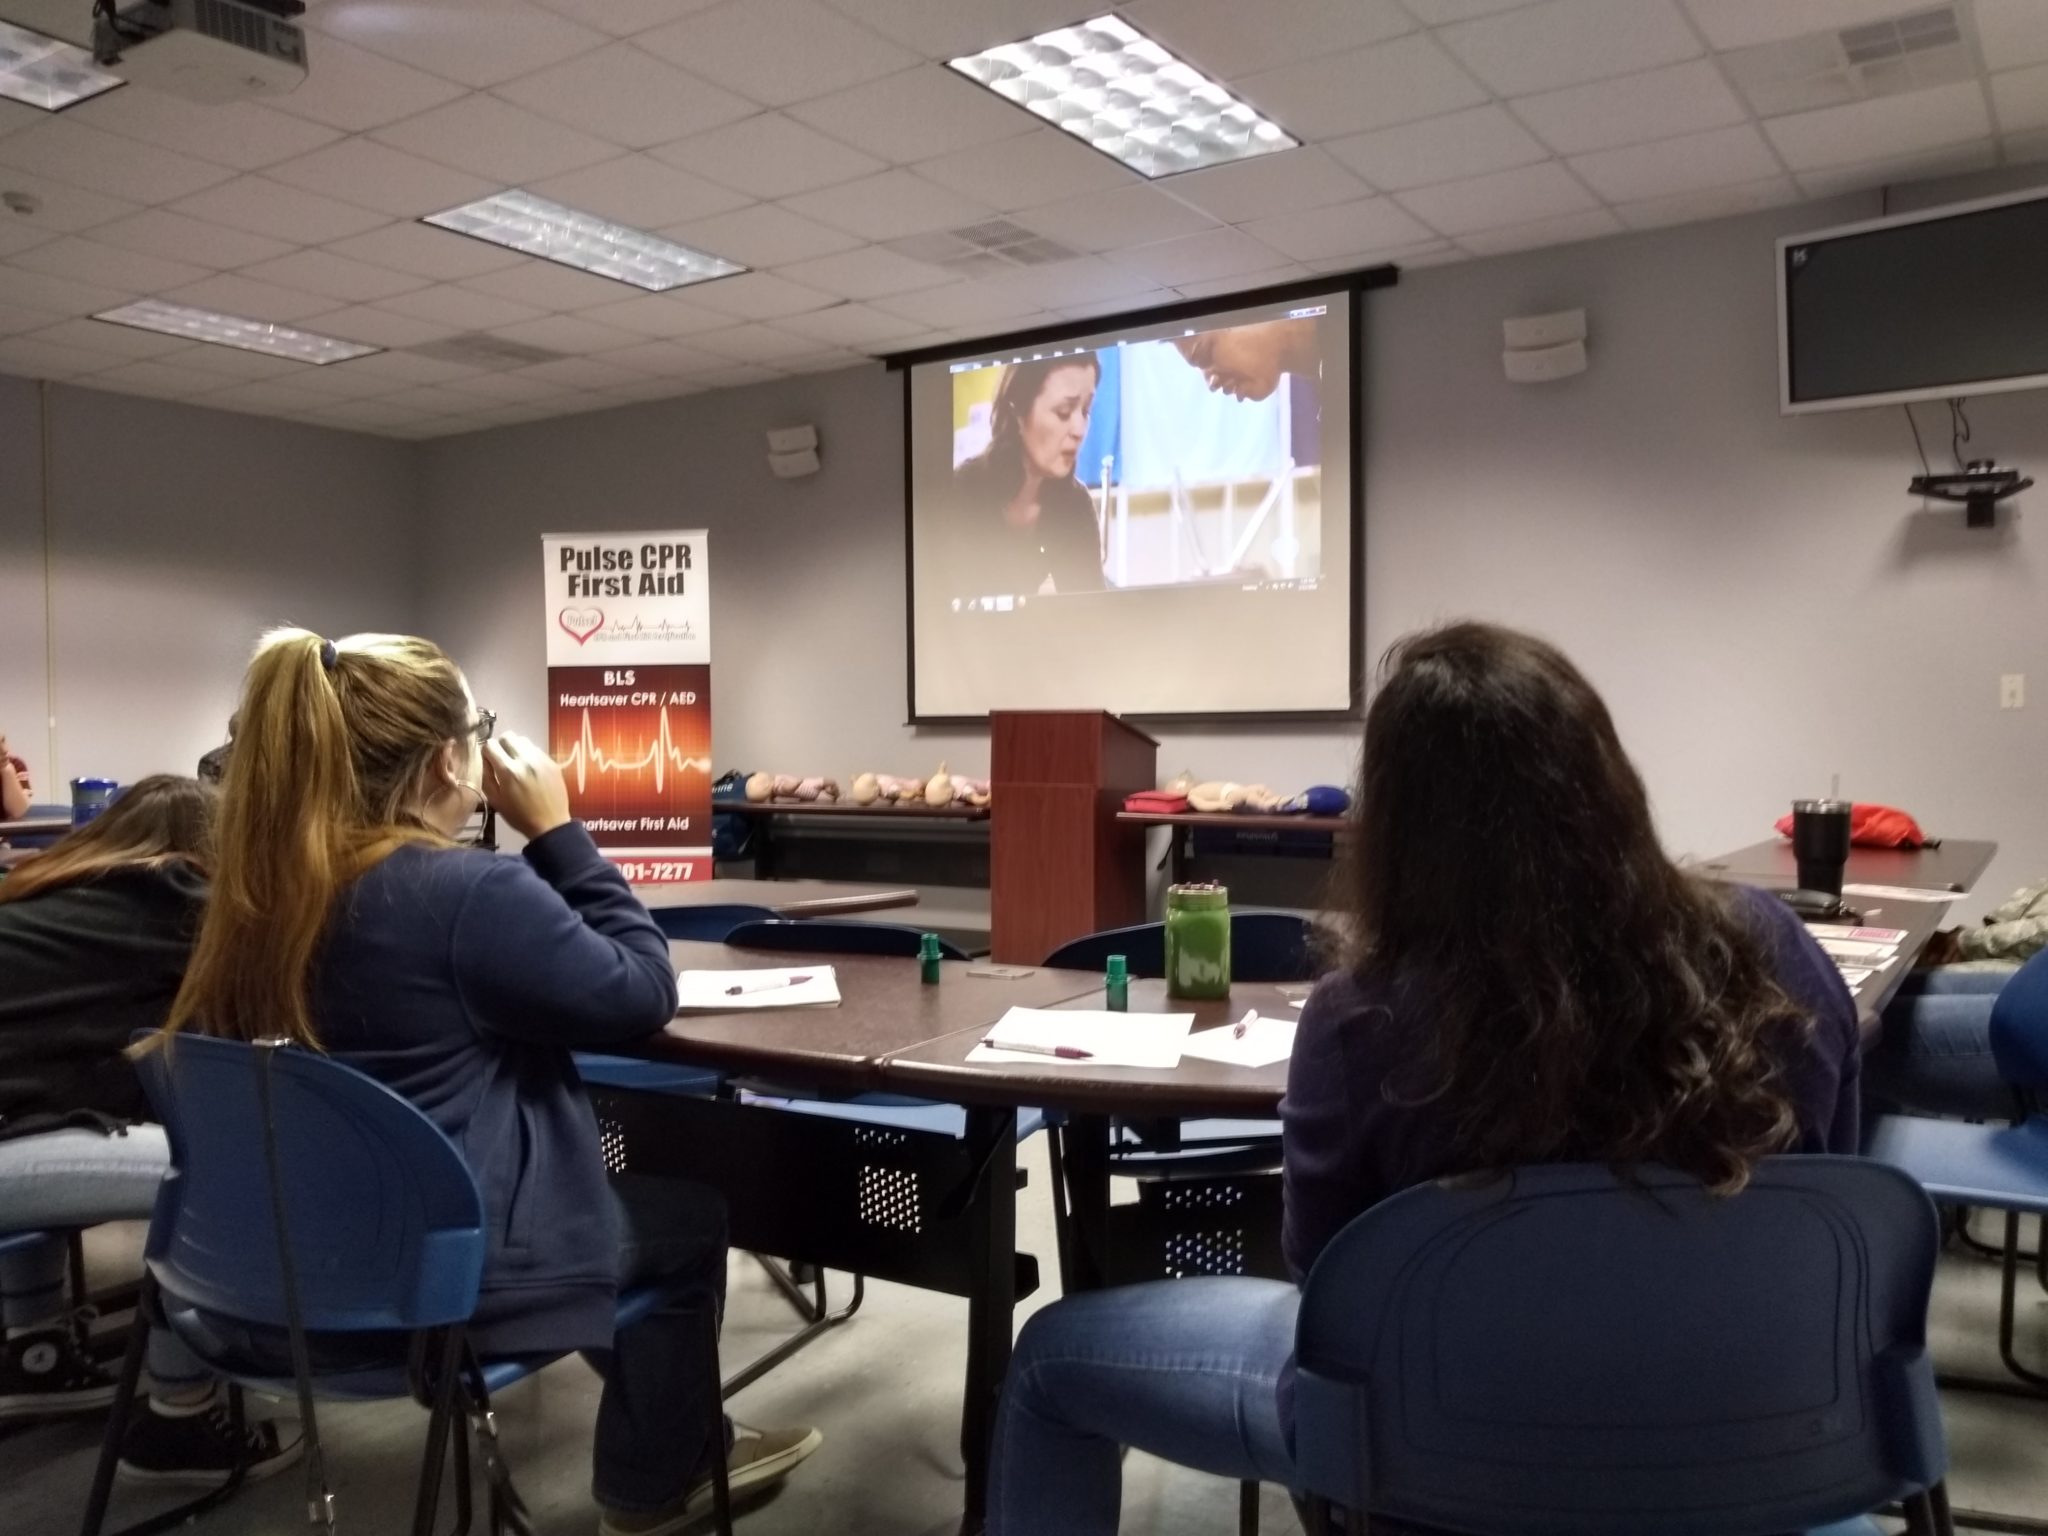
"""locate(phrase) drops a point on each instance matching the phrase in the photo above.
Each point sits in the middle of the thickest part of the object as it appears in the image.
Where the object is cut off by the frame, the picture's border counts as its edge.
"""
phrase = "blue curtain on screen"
(1172, 422)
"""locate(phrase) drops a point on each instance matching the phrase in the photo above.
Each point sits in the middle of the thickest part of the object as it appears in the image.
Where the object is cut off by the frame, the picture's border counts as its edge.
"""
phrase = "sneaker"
(197, 1446)
(759, 1457)
(49, 1371)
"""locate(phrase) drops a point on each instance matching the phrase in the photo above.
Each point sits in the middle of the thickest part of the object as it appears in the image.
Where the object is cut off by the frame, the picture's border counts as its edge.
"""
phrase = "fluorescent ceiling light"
(232, 331)
(1111, 86)
(523, 222)
(46, 72)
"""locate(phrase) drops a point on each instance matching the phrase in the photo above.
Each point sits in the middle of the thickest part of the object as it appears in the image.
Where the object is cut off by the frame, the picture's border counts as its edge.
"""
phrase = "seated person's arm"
(1324, 1169)
(13, 797)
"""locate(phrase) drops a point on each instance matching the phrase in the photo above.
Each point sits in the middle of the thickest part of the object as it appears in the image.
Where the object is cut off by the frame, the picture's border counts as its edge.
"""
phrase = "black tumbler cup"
(1820, 843)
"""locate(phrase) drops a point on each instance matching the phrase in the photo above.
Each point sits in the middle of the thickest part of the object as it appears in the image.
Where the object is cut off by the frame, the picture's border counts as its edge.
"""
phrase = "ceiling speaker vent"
(479, 349)
(1909, 52)
(987, 249)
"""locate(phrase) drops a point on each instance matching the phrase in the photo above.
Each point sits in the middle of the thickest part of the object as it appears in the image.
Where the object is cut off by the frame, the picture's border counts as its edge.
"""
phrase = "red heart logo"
(581, 622)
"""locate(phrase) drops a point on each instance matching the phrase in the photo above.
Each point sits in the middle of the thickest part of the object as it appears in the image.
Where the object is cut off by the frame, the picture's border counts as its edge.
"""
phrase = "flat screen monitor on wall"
(1158, 518)
(1925, 306)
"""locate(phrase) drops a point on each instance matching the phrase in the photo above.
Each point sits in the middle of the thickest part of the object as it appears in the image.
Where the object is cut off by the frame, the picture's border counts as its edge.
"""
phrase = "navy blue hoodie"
(462, 980)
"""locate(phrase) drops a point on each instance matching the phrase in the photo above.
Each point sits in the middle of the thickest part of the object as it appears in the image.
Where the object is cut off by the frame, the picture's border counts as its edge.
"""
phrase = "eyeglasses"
(486, 722)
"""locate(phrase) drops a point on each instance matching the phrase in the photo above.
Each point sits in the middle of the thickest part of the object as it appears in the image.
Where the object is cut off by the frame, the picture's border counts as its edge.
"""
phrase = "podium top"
(1077, 747)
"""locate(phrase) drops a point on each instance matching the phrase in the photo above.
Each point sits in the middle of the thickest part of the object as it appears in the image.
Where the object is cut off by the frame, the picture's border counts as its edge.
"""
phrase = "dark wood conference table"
(36, 826)
(1956, 865)
(785, 898)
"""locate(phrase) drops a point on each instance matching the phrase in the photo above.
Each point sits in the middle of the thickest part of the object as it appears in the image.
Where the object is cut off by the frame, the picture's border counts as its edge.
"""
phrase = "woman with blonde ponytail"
(346, 918)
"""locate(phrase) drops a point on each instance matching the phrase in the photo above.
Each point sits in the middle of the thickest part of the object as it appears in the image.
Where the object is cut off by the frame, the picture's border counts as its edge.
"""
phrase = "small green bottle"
(928, 959)
(1117, 985)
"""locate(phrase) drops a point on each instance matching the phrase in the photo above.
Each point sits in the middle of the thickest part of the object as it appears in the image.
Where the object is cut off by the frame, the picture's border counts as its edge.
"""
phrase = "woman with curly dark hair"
(1530, 980)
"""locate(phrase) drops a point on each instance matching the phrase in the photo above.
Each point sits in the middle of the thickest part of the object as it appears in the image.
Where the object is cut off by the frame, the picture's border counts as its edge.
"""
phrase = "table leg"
(992, 1305)
(1085, 1264)
(1178, 841)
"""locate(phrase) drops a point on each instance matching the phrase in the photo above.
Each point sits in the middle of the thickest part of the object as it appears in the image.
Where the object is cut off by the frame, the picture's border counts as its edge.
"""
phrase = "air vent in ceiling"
(986, 249)
(478, 349)
(1908, 52)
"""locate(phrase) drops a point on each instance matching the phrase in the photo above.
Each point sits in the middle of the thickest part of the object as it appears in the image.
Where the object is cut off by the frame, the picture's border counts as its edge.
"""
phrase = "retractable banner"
(629, 695)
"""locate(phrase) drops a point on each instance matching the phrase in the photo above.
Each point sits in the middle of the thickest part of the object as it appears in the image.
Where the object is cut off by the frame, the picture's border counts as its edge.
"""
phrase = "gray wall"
(1758, 597)
(178, 535)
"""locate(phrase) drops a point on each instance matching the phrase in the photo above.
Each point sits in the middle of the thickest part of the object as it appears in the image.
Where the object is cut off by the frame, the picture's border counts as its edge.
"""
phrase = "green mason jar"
(1198, 941)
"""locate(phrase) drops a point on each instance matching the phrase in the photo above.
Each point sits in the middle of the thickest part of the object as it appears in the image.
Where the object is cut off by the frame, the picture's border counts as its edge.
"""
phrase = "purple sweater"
(1345, 1148)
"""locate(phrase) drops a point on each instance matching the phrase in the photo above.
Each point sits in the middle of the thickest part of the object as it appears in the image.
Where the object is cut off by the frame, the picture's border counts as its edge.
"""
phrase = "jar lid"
(1205, 896)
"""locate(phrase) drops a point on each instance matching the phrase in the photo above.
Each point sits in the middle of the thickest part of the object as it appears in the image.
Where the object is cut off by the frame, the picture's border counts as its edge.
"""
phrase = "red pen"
(1063, 1052)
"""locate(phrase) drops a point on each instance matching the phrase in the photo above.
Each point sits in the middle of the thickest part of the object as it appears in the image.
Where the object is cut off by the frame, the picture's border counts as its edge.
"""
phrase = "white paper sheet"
(796, 986)
(1900, 893)
(1852, 951)
(1862, 935)
(1263, 1043)
(1153, 1040)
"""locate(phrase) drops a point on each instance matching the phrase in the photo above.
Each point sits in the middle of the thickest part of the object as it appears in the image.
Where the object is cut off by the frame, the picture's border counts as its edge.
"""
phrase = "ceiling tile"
(661, 359)
(82, 156)
(944, 29)
(1862, 131)
(463, 308)
(159, 232)
(426, 251)
(628, 96)
(777, 51)
(1374, 223)
(1292, 181)
(272, 396)
(579, 373)
(493, 138)
(105, 336)
(1956, 160)
(14, 115)
(508, 387)
(915, 115)
(1657, 104)
(889, 205)
(622, 18)
(768, 156)
(1249, 282)
(355, 91)
(753, 344)
(548, 285)
(1119, 304)
(639, 190)
(229, 293)
(476, 42)
(758, 296)
(351, 380)
(1040, 167)
(59, 295)
(1115, 217)
(39, 360)
(16, 319)
(228, 363)
(238, 134)
(2020, 97)
(1437, 13)
(1066, 285)
(1226, 39)
(738, 376)
(378, 327)
(2025, 148)
(335, 277)
(765, 235)
(61, 208)
(868, 273)
(396, 369)
(1568, 42)
(1196, 258)
(1506, 197)
(1741, 23)
(1721, 157)
(270, 208)
(963, 304)
(1716, 203)
(86, 261)
(1365, 88)
(1446, 148)
(19, 234)
(374, 175)
(2012, 32)
(664, 315)
(567, 333)
(149, 379)
(852, 325)
(1565, 229)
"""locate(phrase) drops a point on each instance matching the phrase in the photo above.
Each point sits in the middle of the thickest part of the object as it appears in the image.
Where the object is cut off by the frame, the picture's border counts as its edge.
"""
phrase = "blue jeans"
(80, 1178)
(1934, 1055)
(1187, 1370)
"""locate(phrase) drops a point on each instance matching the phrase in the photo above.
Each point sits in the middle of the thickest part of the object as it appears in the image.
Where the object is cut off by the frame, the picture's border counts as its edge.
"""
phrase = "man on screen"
(1247, 362)
(1023, 523)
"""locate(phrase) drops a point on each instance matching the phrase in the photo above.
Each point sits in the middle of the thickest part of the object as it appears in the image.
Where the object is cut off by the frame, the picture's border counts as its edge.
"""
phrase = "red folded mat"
(1875, 826)
(1157, 802)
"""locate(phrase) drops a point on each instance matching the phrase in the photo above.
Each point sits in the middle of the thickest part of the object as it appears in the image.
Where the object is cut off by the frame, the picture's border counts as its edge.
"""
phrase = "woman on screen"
(1023, 523)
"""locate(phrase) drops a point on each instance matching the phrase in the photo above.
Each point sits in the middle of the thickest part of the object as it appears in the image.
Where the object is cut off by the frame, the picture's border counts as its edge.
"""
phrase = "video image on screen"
(1184, 460)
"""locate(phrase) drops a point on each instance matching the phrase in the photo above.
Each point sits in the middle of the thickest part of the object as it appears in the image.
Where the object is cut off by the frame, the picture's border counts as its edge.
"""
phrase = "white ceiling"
(798, 136)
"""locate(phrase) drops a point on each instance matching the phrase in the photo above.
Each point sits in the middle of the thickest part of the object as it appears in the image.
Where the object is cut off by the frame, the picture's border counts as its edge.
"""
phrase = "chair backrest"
(2019, 1027)
(1264, 946)
(837, 936)
(1555, 1353)
(384, 1216)
(707, 925)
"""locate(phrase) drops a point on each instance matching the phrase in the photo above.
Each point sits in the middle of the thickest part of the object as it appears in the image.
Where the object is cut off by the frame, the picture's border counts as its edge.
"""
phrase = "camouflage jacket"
(2013, 931)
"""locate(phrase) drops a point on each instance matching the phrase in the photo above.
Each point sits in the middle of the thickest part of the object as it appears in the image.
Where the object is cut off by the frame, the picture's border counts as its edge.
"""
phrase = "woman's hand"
(1944, 948)
(524, 785)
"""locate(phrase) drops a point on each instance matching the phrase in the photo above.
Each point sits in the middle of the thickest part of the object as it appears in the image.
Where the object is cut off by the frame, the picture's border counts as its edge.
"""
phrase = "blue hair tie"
(328, 654)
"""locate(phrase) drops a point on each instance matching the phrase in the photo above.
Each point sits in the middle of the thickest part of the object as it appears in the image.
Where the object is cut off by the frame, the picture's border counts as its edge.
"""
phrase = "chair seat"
(636, 1075)
(2000, 1168)
(893, 1112)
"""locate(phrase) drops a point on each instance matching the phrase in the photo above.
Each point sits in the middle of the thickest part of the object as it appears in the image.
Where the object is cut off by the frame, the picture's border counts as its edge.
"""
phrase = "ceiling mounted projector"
(208, 51)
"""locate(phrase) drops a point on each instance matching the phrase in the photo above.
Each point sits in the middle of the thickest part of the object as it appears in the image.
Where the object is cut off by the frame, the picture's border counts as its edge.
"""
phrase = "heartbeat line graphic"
(587, 757)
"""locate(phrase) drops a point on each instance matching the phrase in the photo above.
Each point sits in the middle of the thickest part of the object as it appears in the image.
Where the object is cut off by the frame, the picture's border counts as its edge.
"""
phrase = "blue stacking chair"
(1565, 1353)
(41, 839)
(317, 1234)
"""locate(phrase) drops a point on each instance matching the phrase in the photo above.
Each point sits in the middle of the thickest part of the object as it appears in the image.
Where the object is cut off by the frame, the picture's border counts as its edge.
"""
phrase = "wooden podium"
(1060, 863)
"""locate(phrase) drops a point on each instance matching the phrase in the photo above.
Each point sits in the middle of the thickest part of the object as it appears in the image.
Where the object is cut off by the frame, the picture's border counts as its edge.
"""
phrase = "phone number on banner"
(661, 871)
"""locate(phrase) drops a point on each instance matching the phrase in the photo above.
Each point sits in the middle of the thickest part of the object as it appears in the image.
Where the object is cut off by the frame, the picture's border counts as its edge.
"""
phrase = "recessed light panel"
(233, 331)
(46, 72)
(520, 221)
(1111, 86)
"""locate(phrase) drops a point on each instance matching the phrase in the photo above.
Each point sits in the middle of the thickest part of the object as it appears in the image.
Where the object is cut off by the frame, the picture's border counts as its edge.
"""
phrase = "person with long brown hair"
(1529, 980)
(346, 919)
(95, 934)
(1023, 523)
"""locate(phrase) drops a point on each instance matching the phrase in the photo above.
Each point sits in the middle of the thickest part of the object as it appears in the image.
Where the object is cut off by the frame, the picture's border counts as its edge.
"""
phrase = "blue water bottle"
(91, 796)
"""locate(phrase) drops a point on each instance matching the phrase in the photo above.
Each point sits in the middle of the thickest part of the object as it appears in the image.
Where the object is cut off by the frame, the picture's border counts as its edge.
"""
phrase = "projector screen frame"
(1356, 285)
